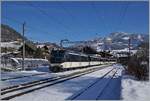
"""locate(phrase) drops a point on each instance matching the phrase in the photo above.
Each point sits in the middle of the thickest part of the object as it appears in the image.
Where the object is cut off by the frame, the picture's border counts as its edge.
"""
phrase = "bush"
(138, 64)
(137, 69)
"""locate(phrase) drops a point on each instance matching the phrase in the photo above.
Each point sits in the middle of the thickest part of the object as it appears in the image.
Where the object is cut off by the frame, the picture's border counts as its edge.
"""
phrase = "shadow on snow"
(112, 92)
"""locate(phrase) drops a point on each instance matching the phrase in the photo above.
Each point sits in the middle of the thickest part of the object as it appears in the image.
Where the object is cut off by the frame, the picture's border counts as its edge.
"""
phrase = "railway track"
(37, 81)
(11, 78)
(106, 85)
(18, 90)
(82, 94)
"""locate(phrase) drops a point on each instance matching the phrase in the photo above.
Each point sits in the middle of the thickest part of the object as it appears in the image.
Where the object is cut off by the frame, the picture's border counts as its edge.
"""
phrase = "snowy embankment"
(134, 90)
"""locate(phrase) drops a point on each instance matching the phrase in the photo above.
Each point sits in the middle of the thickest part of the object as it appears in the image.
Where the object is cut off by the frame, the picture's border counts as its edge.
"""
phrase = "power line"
(67, 11)
(100, 17)
(16, 21)
(28, 26)
(44, 13)
(123, 14)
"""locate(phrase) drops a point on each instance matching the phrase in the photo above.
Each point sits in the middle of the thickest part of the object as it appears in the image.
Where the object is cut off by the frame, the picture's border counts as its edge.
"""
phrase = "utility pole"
(23, 51)
(129, 46)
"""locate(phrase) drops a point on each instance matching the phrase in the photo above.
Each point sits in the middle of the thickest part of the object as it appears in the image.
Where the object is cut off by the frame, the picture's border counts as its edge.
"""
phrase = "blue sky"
(53, 21)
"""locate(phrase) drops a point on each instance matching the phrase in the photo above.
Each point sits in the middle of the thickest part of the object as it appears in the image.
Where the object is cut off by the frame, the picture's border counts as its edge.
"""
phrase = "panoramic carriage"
(62, 60)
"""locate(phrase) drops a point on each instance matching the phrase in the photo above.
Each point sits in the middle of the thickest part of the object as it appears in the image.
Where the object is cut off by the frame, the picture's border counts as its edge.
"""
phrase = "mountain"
(120, 40)
(116, 41)
(123, 37)
(9, 34)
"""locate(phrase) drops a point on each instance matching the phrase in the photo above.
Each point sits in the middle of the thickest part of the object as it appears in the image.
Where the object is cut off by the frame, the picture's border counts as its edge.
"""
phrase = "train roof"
(78, 53)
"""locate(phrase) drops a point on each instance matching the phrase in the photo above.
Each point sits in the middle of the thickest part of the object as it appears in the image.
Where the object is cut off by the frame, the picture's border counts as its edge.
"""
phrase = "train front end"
(56, 58)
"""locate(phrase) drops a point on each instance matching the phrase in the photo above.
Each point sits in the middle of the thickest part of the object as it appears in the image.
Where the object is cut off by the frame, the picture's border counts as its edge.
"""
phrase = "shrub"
(138, 64)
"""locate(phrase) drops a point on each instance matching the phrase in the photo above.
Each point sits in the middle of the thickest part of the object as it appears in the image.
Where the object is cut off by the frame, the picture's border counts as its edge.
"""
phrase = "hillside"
(10, 38)
(8, 34)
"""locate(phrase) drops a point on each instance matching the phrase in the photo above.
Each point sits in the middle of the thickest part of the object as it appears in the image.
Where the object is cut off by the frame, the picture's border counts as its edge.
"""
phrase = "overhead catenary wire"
(43, 12)
(122, 15)
(100, 18)
(29, 27)
(124, 12)
(67, 11)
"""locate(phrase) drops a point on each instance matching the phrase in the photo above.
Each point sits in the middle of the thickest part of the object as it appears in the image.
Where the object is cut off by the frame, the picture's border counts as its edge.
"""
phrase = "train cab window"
(57, 56)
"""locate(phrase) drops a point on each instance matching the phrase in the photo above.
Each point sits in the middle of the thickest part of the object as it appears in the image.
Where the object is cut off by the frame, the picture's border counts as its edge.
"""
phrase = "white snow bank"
(135, 90)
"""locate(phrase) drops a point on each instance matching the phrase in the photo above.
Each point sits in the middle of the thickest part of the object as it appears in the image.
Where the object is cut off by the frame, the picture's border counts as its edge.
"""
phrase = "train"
(63, 60)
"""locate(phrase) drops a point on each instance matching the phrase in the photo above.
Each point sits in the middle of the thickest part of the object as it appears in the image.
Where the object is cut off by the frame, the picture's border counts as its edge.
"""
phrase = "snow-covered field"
(133, 90)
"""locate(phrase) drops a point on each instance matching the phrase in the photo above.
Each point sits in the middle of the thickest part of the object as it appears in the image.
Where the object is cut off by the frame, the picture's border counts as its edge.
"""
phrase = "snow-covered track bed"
(18, 90)
(18, 77)
(94, 90)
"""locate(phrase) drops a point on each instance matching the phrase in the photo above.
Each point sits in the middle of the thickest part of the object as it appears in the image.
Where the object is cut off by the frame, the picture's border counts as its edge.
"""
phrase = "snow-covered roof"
(125, 38)
(14, 59)
(32, 59)
(77, 54)
(9, 44)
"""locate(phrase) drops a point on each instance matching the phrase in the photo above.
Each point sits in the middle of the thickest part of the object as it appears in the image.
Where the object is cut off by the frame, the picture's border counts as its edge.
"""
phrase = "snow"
(40, 46)
(125, 38)
(107, 88)
(5, 75)
(31, 59)
(39, 70)
(10, 44)
(135, 90)
(64, 90)
(115, 52)
(113, 90)
(140, 38)
(121, 86)
(108, 39)
(30, 63)
(12, 82)
(94, 91)
(122, 50)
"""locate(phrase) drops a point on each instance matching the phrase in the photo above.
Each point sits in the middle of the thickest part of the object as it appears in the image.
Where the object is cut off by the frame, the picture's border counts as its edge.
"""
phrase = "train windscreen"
(57, 56)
